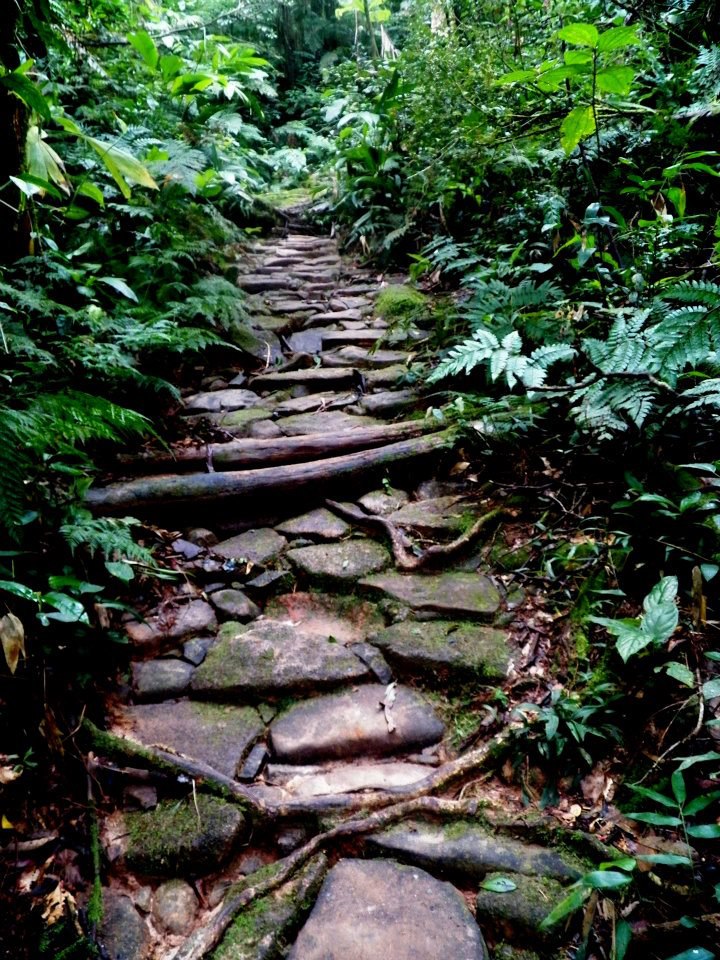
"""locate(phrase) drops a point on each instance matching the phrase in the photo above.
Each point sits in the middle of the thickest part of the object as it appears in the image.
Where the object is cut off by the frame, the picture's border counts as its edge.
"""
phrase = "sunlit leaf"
(12, 634)
(577, 125)
(581, 34)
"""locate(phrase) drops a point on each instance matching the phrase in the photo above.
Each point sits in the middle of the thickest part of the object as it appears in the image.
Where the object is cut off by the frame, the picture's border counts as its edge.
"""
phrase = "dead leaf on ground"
(12, 633)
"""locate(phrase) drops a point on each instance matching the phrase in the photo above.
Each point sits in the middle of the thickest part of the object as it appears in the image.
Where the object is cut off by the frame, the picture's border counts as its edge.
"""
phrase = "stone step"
(353, 723)
(331, 779)
(272, 659)
(252, 283)
(451, 594)
(315, 379)
(362, 358)
(377, 909)
(389, 402)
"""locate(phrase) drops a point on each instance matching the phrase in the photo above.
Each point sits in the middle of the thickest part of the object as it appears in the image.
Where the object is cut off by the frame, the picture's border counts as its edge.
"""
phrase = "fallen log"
(216, 488)
(246, 454)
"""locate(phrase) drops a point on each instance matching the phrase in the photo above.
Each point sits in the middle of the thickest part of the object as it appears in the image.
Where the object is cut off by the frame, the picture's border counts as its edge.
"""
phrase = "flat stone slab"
(361, 357)
(320, 524)
(216, 401)
(263, 284)
(329, 421)
(468, 851)
(342, 562)
(314, 378)
(379, 910)
(274, 657)
(216, 734)
(348, 778)
(439, 515)
(455, 594)
(173, 624)
(190, 838)
(122, 933)
(353, 723)
(314, 403)
(347, 620)
(258, 546)
(389, 402)
(161, 679)
(441, 648)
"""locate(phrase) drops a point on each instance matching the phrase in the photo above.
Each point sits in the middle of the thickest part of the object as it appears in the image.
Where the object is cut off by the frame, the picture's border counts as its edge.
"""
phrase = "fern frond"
(111, 537)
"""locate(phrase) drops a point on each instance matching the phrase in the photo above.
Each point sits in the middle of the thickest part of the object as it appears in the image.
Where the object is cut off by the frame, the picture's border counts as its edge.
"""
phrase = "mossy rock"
(262, 929)
(183, 837)
(519, 913)
(398, 302)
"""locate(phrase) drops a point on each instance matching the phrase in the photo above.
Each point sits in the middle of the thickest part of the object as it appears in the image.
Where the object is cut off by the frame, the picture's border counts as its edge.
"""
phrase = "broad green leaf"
(88, 189)
(72, 583)
(617, 38)
(666, 859)
(499, 885)
(170, 65)
(679, 789)
(575, 899)
(615, 80)
(701, 802)
(27, 91)
(623, 936)
(515, 76)
(694, 953)
(42, 162)
(123, 167)
(34, 186)
(704, 831)
(581, 34)
(678, 671)
(711, 689)
(660, 798)
(145, 46)
(123, 571)
(576, 126)
(605, 880)
(69, 610)
(631, 640)
(656, 819)
(18, 590)
(118, 284)
(710, 757)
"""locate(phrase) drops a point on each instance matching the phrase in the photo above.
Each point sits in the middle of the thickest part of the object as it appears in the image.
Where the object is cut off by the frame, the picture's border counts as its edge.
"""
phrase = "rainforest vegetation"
(547, 172)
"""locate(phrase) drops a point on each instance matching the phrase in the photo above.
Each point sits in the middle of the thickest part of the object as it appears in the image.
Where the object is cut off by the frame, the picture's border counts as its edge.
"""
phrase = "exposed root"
(404, 559)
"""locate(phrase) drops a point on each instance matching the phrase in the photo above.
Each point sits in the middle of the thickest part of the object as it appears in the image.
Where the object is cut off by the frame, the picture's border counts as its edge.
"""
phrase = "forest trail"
(301, 672)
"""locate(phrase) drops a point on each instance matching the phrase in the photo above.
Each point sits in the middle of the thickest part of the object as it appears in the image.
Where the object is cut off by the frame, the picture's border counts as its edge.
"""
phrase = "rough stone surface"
(519, 911)
(377, 909)
(161, 679)
(216, 401)
(274, 657)
(351, 724)
(175, 906)
(440, 648)
(192, 837)
(455, 594)
(347, 620)
(122, 933)
(344, 562)
(195, 650)
(330, 421)
(318, 524)
(216, 734)
(258, 546)
(260, 931)
(436, 516)
(384, 502)
(469, 851)
(233, 604)
(348, 778)
(176, 623)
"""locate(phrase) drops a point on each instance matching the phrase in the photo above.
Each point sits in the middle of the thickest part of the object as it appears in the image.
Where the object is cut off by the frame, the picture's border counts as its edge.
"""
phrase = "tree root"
(404, 559)
(201, 942)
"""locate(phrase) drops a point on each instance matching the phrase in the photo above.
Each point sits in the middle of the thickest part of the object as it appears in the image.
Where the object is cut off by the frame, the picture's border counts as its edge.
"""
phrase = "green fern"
(111, 537)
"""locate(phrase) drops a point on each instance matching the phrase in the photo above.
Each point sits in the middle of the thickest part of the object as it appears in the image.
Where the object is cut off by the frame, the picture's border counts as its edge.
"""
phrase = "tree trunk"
(14, 225)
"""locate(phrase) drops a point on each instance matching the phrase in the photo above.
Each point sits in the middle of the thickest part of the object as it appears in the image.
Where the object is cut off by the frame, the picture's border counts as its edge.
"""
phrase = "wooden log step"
(213, 489)
(251, 454)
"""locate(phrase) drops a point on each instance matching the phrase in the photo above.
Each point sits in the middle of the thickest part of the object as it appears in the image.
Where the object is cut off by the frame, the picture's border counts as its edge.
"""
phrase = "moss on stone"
(399, 302)
(191, 836)
(519, 912)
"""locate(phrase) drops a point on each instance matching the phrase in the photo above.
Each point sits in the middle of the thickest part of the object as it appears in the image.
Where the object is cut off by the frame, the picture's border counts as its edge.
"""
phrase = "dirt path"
(336, 613)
